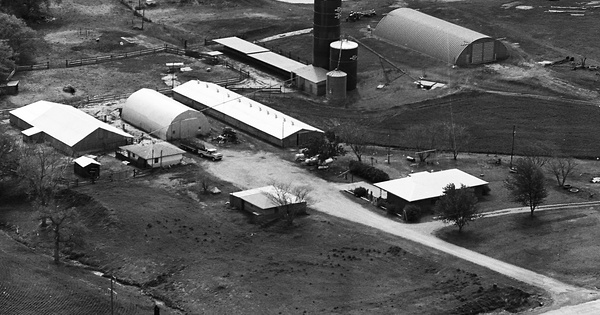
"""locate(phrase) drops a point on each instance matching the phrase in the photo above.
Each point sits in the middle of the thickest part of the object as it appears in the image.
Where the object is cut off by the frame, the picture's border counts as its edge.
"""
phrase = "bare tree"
(538, 153)
(286, 197)
(8, 155)
(527, 185)
(423, 138)
(41, 168)
(355, 136)
(457, 137)
(64, 224)
(561, 167)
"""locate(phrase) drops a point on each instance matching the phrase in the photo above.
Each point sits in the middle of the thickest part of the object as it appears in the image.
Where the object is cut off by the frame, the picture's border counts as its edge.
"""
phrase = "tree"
(324, 148)
(456, 136)
(561, 167)
(41, 168)
(285, 195)
(63, 223)
(527, 184)
(8, 155)
(423, 137)
(26, 9)
(7, 63)
(538, 153)
(355, 136)
(19, 37)
(457, 206)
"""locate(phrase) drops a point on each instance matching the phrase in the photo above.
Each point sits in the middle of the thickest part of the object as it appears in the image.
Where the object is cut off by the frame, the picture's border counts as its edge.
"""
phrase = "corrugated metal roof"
(426, 185)
(154, 112)
(258, 196)
(426, 34)
(62, 122)
(243, 109)
(84, 161)
(153, 150)
(240, 45)
(277, 61)
(312, 73)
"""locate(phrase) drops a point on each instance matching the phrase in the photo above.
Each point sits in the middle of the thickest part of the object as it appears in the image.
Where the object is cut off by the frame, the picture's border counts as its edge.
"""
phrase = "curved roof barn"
(162, 116)
(439, 39)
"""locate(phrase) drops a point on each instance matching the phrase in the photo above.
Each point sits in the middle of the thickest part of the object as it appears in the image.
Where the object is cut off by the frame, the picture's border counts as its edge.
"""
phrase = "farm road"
(249, 170)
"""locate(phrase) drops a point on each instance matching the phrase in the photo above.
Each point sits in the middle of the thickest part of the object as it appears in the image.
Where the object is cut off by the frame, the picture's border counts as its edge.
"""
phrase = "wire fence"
(107, 177)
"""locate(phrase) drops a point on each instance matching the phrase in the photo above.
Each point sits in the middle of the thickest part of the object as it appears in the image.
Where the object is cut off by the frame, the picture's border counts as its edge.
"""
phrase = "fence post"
(66, 63)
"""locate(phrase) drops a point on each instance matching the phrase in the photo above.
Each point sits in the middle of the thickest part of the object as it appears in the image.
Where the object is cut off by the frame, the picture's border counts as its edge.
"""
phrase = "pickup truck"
(201, 150)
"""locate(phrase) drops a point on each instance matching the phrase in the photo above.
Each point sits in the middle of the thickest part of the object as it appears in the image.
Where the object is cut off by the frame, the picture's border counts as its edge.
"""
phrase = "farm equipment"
(357, 15)
(228, 135)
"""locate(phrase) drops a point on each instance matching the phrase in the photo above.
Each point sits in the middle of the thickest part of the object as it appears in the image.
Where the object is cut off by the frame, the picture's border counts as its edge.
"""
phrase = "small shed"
(151, 155)
(10, 88)
(310, 79)
(86, 167)
(257, 202)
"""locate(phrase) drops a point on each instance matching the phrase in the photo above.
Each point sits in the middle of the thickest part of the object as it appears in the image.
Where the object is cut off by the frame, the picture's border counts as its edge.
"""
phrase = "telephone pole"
(512, 150)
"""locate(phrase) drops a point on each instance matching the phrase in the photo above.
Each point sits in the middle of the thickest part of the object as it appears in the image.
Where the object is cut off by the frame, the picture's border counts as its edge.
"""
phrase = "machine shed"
(311, 79)
(439, 39)
(163, 117)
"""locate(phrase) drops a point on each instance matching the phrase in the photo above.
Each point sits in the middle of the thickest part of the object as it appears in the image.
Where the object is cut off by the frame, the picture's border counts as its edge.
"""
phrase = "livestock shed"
(311, 79)
(425, 188)
(163, 117)
(66, 128)
(439, 39)
(258, 203)
(245, 114)
(151, 155)
(86, 166)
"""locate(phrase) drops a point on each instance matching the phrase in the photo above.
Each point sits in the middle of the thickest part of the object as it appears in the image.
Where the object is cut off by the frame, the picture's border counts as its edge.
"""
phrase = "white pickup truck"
(201, 149)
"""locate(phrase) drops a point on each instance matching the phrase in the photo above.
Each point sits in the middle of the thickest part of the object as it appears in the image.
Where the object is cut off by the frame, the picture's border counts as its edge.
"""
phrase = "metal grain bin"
(343, 55)
(336, 85)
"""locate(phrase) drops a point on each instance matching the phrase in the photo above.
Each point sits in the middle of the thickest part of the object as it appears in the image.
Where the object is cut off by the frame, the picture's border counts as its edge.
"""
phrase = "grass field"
(560, 243)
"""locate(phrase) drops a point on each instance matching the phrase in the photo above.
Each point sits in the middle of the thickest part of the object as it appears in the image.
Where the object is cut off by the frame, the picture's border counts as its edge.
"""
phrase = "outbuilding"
(163, 117)
(245, 114)
(151, 155)
(258, 203)
(66, 128)
(439, 39)
(311, 79)
(87, 167)
(425, 188)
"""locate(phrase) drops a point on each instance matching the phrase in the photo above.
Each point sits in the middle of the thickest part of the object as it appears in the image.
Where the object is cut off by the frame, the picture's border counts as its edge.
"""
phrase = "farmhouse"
(245, 114)
(424, 188)
(151, 155)
(163, 117)
(257, 202)
(66, 128)
(439, 39)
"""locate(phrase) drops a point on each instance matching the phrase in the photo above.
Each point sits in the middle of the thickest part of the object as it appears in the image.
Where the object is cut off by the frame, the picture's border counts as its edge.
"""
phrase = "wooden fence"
(95, 60)
(107, 177)
(39, 66)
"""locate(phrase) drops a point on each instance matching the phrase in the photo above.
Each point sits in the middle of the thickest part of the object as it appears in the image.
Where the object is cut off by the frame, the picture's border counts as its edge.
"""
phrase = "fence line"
(107, 178)
(37, 66)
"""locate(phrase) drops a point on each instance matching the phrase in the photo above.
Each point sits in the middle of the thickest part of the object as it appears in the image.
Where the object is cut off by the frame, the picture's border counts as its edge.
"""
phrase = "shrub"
(360, 192)
(486, 190)
(392, 209)
(411, 213)
(368, 172)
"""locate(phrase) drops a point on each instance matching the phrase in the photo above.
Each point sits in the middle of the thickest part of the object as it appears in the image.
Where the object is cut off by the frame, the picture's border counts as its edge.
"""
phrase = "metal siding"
(477, 53)
(426, 34)
(488, 51)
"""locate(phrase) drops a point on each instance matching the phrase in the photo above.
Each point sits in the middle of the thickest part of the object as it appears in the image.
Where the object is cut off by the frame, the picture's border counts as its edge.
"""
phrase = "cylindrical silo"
(336, 85)
(343, 56)
(326, 29)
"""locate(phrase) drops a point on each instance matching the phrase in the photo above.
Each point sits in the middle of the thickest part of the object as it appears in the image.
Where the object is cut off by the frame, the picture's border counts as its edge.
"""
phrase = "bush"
(392, 209)
(486, 190)
(360, 192)
(411, 213)
(368, 172)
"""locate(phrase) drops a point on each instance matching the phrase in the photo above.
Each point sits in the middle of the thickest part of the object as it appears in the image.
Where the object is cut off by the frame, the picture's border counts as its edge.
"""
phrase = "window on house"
(156, 160)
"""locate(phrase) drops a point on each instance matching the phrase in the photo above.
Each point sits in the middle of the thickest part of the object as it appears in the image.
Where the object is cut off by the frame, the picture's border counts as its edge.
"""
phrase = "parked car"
(201, 149)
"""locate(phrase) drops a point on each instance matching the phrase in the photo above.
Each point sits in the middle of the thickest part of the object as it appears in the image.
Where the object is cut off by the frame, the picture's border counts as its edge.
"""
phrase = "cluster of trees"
(446, 136)
(26, 9)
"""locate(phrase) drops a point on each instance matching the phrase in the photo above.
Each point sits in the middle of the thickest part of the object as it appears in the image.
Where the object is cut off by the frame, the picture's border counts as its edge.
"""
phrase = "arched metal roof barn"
(438, 38)
(162, 116)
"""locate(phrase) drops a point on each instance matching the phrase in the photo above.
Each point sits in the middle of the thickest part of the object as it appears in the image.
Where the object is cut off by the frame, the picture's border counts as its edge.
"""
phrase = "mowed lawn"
(559, 243)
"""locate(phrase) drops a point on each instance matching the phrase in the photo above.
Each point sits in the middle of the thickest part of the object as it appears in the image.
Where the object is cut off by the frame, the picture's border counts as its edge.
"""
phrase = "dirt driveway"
(248, 170)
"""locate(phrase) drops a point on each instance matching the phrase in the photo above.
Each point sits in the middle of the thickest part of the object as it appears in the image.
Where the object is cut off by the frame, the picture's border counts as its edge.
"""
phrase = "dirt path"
(250, 170)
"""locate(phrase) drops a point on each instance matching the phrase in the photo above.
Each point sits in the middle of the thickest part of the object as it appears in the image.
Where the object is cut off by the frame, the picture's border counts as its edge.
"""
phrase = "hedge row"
(370, 173)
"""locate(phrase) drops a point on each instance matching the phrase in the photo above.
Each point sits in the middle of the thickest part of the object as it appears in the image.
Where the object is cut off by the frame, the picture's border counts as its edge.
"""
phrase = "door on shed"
(477, 53)
(488, 51)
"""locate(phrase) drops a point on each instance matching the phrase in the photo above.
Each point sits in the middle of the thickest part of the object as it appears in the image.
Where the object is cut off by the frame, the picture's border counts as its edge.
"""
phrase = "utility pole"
(388, 149)
(112, 307)
(512, 150)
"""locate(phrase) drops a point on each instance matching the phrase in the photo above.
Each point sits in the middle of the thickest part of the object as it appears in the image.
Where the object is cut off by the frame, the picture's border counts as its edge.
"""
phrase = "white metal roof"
(426, 185)
(278, 61)
(153, 150)
(312, 73)
(84, 161)
(259, 198)
(240, 45)
(62, 122)
(243, 109)
(426, 34)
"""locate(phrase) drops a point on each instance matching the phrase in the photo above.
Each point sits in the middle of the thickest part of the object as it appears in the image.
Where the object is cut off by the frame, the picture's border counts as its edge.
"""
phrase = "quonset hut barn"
(439, 39)
(66, 128)
(245, 114)
(163, 117)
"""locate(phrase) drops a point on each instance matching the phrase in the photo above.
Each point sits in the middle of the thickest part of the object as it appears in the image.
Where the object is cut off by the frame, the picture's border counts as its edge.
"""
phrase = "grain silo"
(326, 29)
(343, 55)
(336, 85)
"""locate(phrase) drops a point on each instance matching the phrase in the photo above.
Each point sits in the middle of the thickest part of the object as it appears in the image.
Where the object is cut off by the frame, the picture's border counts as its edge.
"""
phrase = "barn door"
(488, 51)
(477, 53)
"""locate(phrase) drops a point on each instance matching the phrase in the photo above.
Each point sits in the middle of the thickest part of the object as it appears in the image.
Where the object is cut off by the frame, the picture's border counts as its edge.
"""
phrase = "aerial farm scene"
(299, 157)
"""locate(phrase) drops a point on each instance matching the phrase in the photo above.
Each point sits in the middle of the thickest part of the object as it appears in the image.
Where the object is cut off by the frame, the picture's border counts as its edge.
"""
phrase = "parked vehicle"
(201, 149)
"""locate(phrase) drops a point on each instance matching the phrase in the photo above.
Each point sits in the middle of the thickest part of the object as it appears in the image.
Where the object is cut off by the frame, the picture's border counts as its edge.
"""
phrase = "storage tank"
(326, 29)
(336, 85)
(343, 55)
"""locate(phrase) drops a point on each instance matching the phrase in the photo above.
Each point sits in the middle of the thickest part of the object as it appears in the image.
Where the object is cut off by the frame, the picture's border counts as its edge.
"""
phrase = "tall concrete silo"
(326, 29)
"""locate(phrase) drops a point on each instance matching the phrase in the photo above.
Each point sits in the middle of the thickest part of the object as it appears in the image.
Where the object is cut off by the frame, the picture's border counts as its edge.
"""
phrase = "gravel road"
(250, 169)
